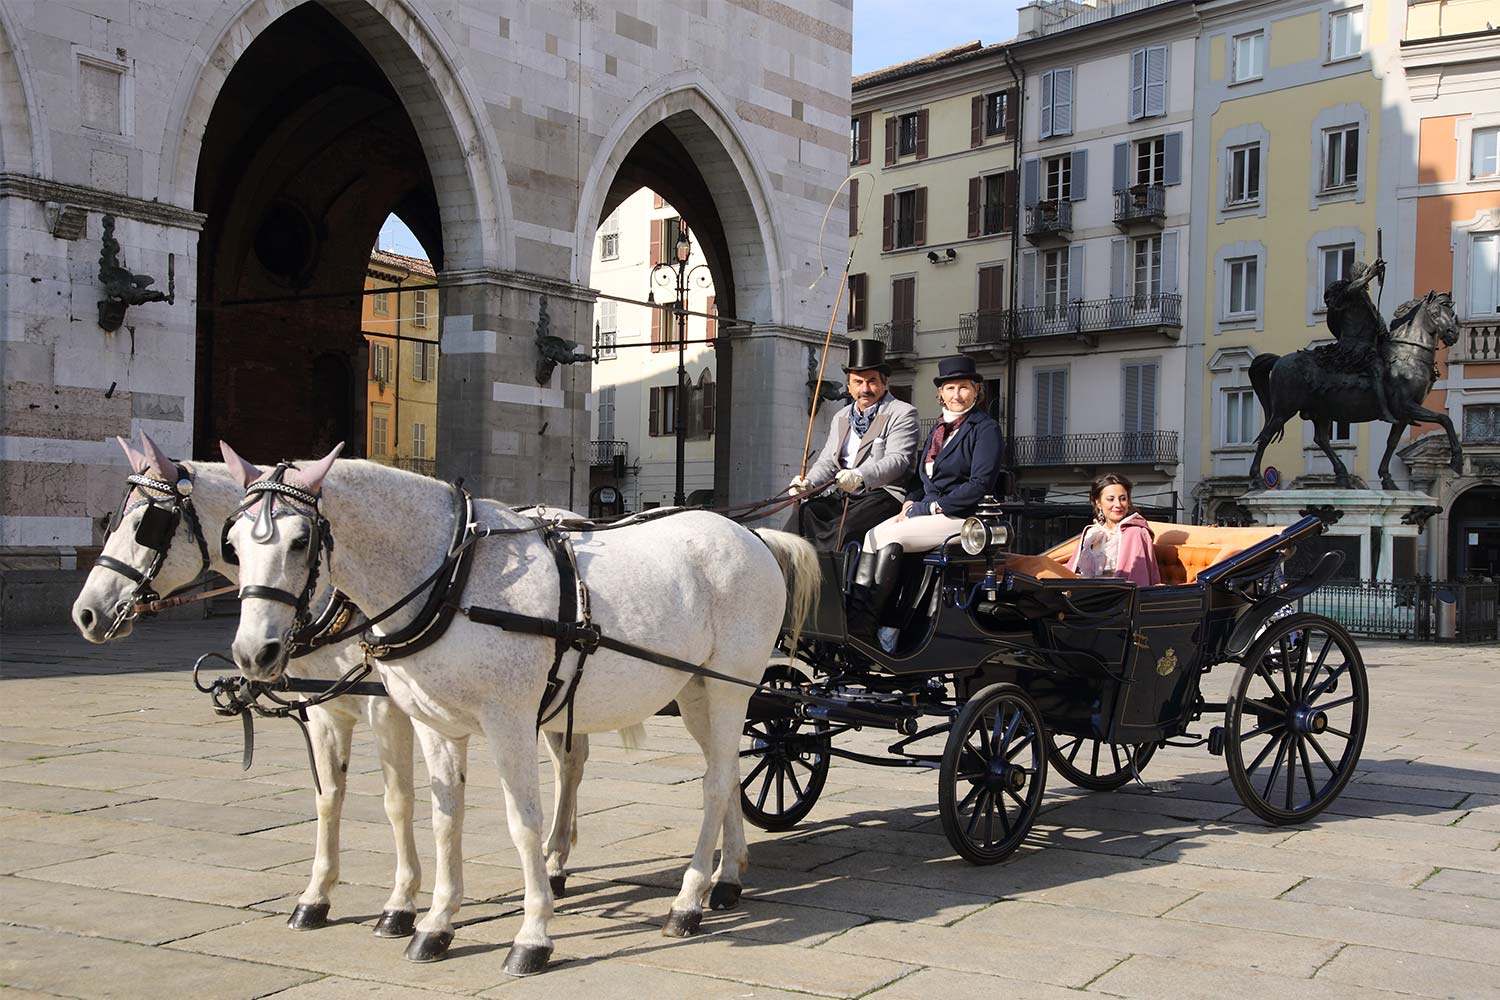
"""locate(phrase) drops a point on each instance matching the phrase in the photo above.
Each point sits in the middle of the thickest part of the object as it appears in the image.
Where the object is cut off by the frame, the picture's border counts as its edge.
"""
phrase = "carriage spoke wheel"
(783, 761)
(993, 773)
(1093, 764)
(1296, 718)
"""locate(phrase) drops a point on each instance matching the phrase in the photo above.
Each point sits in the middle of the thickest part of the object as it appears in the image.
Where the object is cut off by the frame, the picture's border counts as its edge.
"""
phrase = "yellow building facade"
(402, 327)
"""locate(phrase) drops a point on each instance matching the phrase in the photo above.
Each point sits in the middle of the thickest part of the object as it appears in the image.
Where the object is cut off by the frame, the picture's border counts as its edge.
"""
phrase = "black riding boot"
(874, 582)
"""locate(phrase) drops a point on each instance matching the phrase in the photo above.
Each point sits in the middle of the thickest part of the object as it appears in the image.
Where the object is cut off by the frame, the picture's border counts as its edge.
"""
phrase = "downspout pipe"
(1012, 354)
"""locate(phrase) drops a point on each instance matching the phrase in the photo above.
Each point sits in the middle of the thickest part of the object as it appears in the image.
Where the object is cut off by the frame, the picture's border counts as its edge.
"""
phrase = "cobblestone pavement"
(136, 860)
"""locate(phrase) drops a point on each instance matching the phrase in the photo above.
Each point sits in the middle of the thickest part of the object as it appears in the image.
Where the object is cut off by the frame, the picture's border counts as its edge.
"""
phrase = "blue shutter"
(1045, 122)
(1031, 182)
(1122, 166)
(1172, 146)
(1075, 272)
(1080, 175)
(1156, 81)
(1028, 278)
(1062, 102)
(1117, 268)
(1137, 84)
(1169, 262)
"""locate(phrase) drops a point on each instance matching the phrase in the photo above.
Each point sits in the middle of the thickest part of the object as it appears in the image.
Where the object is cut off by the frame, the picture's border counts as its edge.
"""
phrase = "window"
(859, 295)
(1484, 274)
(607, 312)
(1336, 262)
(1345, 33)
(609, 238)
(1146, 270)
(1148, 82)
(380, 362)
(1052, 402)
(423, 362)
(906, 216)
(1055, 281)
(856, 135)
(1483, 161)
(1241, 417)
(1151, 161)
(671, 229)
(667, 412)
(907, 142)
(995, 218)
(1244, 175)
(1340, 157)
(1059, 173)
(379, 431)
(1057, 103)
(1342, 432)
(997, 112)
(418, 440)
(605, 408)
(1243, 298)
(1482, 423)
(382, 306)
(1249, 57)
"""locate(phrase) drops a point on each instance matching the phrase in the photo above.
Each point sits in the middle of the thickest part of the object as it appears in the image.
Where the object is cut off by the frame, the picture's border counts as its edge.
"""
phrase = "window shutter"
(1080, 175)
(1007, 201)
(711, 325)
(919, 218)
(1043, 403)
(1169, 262)
(858, 284)
(656, 325)
(656, 231)
(888, 223)
(1117, 269)
(653, 417)
(1172, 147)
(655, 200)
(708, 389)
(1148, 397)
(1011, 110)
(904, 299)
(974, 185)
(976, 121)
(854, 206)
(890, 141)
(866, 122)
(1122, 166)
(1060, 402)
(1156, 80)
(1062, 102)
(1045, 123)
(1032, 182)
(1131, 422)
(1137, 84)
(922, 134)
(1075, 272)
(1028, 278)
(991, 284)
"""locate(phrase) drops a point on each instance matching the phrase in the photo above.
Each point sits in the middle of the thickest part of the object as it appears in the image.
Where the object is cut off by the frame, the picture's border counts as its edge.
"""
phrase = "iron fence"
(1049, 218)
(1141, 203)
(1104, 448)
(1423, 609)
(604, 453)
(898, 336)
(984, 327)
(1160, 310)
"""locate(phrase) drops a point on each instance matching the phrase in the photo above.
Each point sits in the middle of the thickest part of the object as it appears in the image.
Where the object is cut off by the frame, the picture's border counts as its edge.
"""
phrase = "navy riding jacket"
(966, 470)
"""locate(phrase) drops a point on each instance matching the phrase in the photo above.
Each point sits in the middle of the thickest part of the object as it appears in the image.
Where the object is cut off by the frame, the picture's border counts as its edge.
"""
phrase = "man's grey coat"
(887, 453)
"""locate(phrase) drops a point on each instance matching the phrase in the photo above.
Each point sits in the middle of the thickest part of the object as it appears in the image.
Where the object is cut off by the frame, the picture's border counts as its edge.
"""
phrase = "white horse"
(693, 586)
(217, 489)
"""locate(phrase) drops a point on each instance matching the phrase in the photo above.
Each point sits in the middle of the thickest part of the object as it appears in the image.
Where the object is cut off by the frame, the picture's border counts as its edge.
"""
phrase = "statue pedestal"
(1374, 524)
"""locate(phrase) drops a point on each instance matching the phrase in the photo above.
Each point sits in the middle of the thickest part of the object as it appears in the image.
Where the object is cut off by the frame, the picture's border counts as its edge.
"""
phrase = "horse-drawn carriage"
(1015, 667)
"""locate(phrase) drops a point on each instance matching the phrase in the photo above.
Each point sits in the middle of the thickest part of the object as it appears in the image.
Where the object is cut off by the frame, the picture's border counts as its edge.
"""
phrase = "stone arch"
(689, 108)
(438, 95)
(23, 140)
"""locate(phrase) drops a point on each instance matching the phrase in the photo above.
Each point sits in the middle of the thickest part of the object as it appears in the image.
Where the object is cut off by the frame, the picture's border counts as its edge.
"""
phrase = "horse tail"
(633, 737)
(1260, 379)
(799, 567)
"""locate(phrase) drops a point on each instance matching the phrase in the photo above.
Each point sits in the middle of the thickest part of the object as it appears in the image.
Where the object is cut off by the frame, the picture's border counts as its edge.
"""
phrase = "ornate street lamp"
(677, 272)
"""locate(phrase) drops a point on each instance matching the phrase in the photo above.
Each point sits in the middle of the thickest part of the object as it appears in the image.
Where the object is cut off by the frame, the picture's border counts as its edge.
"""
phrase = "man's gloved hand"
(799, 486)
(849, 480)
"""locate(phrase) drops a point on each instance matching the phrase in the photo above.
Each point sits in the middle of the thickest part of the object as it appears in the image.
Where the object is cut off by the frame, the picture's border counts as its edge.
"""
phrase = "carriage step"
(1216, 741)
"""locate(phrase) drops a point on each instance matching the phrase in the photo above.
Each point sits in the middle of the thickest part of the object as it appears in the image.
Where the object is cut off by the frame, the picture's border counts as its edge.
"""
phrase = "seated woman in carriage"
(1119, 543)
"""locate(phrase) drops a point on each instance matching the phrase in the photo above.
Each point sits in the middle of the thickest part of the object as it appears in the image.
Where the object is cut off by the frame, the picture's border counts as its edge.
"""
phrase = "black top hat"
(962, 366)
(867, 355)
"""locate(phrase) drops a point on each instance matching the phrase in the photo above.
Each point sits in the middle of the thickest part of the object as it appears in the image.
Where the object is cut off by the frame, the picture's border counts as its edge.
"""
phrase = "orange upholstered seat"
(1185, 550)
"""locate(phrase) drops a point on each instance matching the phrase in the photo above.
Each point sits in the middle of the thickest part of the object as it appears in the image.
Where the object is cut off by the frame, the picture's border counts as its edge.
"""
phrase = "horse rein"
(155, 532)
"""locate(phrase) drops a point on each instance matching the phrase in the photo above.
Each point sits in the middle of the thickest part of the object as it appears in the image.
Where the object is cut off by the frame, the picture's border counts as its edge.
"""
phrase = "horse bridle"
(158, 527)
(267, 492)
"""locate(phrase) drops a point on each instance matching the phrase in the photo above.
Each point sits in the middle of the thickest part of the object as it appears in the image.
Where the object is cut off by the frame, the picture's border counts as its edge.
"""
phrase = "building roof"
(936, 60)
(380, 259)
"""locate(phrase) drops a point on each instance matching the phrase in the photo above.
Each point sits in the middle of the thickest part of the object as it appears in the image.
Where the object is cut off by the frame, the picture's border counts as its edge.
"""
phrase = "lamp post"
(676, 272)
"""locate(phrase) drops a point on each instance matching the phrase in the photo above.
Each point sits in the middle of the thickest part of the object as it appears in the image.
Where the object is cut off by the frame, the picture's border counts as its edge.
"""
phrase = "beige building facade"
(401, 333)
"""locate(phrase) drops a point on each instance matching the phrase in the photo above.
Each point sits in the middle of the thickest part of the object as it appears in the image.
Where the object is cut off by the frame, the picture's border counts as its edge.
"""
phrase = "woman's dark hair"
(1109, 479)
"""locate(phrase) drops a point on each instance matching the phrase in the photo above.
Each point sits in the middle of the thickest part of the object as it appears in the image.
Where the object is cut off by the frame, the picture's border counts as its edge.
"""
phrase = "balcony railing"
(1143, 203)
(985, 328)
(994, 220)
(422, 466)
(905, 234)
(899, 336)
(1162, 310)
(1104, 448)
(1477, 342)
(1049, 218)
(604, 453)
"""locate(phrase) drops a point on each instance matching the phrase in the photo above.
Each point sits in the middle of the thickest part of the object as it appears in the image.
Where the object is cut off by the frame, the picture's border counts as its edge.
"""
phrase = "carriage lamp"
(977, 536)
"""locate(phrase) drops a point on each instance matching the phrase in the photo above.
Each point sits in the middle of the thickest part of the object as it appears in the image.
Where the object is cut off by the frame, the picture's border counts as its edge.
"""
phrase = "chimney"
(1029, 20)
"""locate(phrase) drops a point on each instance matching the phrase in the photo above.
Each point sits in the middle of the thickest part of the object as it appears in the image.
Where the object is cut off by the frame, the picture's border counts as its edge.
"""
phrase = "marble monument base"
(1380, 520)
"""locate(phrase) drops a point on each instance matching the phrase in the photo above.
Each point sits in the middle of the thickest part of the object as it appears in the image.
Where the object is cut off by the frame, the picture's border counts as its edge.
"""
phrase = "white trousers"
(915, 534)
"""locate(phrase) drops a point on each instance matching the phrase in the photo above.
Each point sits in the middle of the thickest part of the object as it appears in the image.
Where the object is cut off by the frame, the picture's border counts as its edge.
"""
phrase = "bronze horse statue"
(1289, 385)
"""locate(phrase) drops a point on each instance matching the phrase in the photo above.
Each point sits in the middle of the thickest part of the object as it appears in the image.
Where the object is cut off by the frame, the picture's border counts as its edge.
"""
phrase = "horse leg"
(727, 886)
(1322, 437)
(1393, 439)
(330, 730)
(446, 763)
(1422, 413)
(1263, 440)
(567, 770)
(393, 746)
(513, 741)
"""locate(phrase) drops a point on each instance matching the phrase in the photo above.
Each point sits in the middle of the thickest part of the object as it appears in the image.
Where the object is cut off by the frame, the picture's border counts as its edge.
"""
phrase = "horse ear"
(243, 472)
(163, 467)
(135, 458)
(312, 476)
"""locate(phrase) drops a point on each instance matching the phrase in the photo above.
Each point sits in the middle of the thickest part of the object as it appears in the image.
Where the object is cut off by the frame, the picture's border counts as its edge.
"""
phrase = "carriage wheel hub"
(1309, 720)
(1004, 776)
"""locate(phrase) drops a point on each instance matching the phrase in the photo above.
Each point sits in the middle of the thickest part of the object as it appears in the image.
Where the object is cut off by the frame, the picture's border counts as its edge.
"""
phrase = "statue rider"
(1360, 329)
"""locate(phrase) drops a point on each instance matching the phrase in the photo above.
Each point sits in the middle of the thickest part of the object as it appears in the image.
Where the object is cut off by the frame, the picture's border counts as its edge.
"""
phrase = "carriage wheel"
(1094, 764)
(784, 761)
(993, 774)
(1296, 718)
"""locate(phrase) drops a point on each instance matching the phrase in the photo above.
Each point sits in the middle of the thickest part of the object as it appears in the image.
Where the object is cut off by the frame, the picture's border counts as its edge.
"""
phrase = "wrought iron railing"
(1059, 15)
(1126, 312)
(994, 220)
(905, 233)
(1477, 342)
(1104, 448)
(424, 466)
(604, 452)
(899, 335)
(1049, 218)
(1432, 610)
(984, 327)
(1141, 203)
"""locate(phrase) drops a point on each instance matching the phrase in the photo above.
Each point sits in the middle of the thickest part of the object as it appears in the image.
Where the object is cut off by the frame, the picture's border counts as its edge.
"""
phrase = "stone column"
(510, 437)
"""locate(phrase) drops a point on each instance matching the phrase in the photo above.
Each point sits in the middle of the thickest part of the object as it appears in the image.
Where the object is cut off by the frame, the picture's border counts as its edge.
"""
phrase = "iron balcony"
(1159, 312)
(1141, 206)
(1049, 221)
(899, 336)
(1103, 448)
(604, 453)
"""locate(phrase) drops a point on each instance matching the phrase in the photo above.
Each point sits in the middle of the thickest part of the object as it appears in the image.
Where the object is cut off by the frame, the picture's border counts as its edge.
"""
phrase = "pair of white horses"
(694, 586)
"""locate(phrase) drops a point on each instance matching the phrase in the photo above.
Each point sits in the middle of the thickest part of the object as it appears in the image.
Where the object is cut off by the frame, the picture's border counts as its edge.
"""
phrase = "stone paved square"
(136, 859)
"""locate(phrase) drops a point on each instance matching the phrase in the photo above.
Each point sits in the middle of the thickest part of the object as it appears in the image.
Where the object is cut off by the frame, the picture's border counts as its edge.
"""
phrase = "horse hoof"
(308, 916)
(396, 924)
(428, 946)
(559, 885)
(726, 896)
(681, 924)
(527, 959)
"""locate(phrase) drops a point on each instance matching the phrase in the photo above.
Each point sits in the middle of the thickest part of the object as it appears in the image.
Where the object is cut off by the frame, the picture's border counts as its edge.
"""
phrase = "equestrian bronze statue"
(1370, 373)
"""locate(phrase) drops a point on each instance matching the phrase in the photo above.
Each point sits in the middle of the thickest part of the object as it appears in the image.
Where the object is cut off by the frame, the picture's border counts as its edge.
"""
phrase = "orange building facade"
(400, 321)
